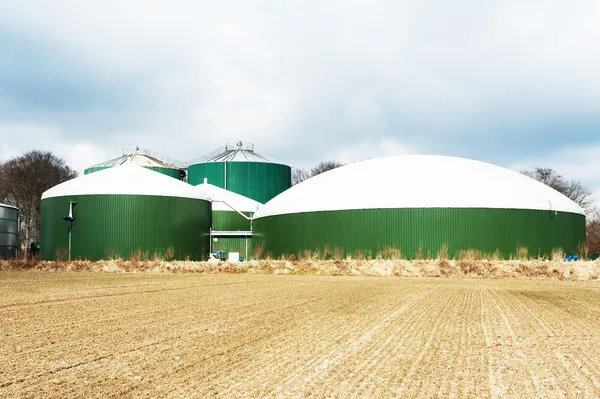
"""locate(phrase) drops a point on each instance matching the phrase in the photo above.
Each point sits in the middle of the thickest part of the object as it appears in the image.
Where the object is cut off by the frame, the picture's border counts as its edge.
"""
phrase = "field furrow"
(244, 336)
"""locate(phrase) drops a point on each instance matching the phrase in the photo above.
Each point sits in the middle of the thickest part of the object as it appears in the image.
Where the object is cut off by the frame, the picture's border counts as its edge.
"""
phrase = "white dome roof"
(418, 181)
(223, 199)
(124, 179)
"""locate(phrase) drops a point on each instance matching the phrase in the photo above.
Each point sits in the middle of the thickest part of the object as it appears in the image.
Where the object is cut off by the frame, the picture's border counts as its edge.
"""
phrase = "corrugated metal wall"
(257, 180)
(213, 171)
(108, 226)
(230, 221)
(373, 230)
(8, 232)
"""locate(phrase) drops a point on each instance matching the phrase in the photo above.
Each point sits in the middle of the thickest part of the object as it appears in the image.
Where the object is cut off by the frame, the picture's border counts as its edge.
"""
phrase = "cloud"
(370, 149)
(500, 81)
(78, 154)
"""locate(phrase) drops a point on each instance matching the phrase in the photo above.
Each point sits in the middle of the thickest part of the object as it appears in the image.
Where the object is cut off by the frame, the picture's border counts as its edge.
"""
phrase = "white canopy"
(125, 179)
(418, 181)
(224, 200)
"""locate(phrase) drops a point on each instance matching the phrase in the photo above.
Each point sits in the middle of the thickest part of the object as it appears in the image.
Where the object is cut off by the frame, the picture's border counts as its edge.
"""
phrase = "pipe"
(225, 180)
(241, 213)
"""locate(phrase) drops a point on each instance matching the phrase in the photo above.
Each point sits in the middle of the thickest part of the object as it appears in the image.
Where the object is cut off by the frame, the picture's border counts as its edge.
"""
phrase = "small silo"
(145, 158)
(122, 211)
(415, 205)
(9, 217)
(231, 219)
(238, 168)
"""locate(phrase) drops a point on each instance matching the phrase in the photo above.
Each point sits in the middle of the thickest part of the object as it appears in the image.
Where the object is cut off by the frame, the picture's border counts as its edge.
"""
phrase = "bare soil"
(82, 334)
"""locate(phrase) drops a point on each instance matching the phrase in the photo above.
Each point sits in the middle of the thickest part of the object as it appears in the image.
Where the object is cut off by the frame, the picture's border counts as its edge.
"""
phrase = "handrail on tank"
(227, 148)
(156, 155)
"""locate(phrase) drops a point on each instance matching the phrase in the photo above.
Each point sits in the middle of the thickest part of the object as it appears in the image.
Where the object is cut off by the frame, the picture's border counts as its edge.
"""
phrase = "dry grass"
(190, 335)
(468, 264)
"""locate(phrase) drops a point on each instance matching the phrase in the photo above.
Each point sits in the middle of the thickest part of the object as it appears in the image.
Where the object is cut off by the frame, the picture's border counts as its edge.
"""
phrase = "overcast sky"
(515, 83)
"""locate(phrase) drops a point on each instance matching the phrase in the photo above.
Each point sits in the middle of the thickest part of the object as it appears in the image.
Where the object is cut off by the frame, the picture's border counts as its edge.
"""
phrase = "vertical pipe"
(210, 241)
(225, 184)
(70, 229)
(252, 235)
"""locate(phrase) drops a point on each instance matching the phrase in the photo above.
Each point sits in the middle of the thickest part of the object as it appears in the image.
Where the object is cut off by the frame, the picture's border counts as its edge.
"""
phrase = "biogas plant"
(239, 204)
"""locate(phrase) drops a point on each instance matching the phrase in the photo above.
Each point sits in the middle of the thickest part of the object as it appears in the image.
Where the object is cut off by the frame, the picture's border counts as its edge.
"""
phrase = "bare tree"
(299, 175)
(572, 189)
(23, 180)
(324, 166)
(593, 233)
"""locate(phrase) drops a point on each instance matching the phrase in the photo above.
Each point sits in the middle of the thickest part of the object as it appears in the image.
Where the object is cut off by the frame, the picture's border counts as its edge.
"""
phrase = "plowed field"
(230, 336)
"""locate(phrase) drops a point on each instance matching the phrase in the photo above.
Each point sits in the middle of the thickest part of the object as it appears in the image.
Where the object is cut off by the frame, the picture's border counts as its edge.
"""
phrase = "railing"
(156, 155)
(229, 147)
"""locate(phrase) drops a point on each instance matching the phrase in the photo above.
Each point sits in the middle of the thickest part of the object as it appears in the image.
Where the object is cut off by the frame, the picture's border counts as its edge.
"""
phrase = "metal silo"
(145, 158)
(9, 216)
(122, 211)
(238, 168)
(416, 204)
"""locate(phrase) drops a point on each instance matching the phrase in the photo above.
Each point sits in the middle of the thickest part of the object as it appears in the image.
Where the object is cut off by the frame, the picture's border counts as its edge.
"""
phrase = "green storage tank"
(9, 218)
(239, 169)
(124, 211)
(416, 204)
(230, 229)
(145, 158)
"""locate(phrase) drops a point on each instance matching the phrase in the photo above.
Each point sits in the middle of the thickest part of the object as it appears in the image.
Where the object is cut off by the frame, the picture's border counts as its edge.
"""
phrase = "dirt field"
(81, 334)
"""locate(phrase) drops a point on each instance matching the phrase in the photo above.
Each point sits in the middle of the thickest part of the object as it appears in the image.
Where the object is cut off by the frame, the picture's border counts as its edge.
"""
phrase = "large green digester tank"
(415, 205)
(145, 158)
(237, 168)
(122, 212)
(9, 216)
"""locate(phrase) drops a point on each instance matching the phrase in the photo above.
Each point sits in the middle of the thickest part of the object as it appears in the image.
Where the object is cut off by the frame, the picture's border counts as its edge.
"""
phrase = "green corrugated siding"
(373, 230)
(230, 221)
(175, 173)
(260, 181)
(233, 244)
(116, 225)
(8, 232)
(213, 171)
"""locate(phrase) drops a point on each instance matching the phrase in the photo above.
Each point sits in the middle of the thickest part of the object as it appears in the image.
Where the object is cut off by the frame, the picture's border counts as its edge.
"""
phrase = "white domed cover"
(8, 206)
(125, 179)
(224, 200)
(418, 181)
